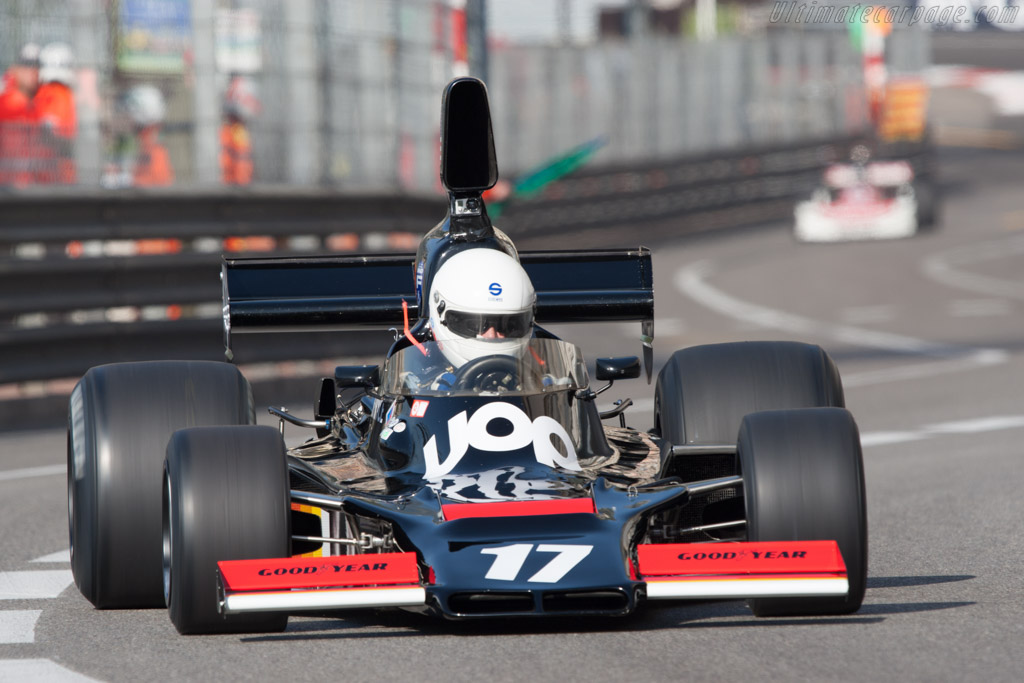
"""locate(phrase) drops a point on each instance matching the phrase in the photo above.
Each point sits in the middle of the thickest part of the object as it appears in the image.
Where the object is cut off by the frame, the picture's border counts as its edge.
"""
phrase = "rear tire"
(927, 205)
(120, 419)
(803, 480)
(225, 497)
(703, 392)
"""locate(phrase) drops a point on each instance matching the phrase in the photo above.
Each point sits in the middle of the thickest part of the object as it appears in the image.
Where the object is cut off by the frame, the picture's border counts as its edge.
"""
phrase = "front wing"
(661, 572)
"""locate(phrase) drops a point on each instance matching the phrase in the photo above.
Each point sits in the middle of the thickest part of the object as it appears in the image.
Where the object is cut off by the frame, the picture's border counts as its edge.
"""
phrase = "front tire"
(119, 420)
(803, 480)
(225, 497)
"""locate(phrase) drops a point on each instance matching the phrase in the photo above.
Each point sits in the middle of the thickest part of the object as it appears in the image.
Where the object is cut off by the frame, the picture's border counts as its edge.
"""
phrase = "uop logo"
(463, 433)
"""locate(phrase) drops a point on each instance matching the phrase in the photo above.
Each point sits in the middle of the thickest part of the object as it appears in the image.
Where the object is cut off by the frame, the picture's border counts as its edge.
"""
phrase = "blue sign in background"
(154, 35)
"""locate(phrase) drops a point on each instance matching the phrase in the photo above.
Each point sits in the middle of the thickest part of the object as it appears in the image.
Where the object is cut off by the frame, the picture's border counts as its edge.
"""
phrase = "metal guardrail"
(681, 195)
(87, 279)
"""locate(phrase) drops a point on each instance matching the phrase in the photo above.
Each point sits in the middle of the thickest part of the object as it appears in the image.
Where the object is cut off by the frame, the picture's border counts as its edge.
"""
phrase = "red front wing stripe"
(520, 508)
(776, 557)
(340, 571)
(743, 570)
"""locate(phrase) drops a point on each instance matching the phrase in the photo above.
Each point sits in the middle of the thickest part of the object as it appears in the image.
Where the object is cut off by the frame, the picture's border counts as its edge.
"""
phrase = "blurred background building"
(318, 93)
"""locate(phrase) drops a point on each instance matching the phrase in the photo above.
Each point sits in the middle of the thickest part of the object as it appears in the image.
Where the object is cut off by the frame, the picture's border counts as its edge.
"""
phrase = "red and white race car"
(875, 200)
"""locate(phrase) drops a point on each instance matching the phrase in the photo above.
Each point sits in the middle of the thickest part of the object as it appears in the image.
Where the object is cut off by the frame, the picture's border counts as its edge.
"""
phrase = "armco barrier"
(86, 280)
(663, 198)
(90, 279)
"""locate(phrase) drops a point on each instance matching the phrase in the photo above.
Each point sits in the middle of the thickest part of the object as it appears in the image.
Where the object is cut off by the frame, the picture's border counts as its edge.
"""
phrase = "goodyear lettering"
(281, 571)
(757, 554)
(360, 567)
(707, 556)
(335, 568)
(778, 555)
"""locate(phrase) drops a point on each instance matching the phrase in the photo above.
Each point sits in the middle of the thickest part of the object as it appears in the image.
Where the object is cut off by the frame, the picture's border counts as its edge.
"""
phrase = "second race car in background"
(865, 200)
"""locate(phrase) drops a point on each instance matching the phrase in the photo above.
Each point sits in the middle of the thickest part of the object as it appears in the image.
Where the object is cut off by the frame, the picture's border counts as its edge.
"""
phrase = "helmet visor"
(474, 325)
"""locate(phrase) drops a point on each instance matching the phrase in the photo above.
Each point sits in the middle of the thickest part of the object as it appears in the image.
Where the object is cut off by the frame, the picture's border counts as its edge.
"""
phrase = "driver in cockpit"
(481, 305)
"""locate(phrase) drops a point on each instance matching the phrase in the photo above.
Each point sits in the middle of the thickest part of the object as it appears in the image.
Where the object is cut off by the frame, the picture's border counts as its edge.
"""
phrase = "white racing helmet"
(481, 304)
(145, 105)
(55, 64)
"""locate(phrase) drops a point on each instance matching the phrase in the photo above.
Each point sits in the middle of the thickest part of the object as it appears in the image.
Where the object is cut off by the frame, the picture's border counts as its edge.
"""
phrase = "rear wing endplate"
(334, 293)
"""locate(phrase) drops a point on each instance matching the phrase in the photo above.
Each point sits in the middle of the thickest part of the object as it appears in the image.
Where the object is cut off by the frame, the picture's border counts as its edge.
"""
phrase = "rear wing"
(334, 293)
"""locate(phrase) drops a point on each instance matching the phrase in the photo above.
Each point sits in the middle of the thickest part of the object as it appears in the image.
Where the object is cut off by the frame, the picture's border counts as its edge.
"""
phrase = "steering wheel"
(488, 373)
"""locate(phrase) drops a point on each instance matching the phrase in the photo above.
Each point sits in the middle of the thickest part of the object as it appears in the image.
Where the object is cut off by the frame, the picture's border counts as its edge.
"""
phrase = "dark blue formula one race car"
(472, 474)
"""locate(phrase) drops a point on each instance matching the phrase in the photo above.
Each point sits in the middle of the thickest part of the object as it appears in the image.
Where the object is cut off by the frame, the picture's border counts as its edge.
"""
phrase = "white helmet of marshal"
(55, 64)
(481, 304)
(145, 105)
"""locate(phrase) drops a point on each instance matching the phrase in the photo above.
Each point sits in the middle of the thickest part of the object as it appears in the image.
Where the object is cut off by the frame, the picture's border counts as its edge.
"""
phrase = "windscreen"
(537, 366)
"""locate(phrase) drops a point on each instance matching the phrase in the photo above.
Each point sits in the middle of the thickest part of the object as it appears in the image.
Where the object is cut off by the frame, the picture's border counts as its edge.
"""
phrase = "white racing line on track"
(943, 267)
(40, 584)
(981, 424)
(691, 280)
(868, 439)
(28, 472)
(39, 671)
(18, 626)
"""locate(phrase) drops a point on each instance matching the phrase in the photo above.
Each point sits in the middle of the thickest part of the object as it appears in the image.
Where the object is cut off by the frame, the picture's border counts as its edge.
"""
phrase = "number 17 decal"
(509, 560)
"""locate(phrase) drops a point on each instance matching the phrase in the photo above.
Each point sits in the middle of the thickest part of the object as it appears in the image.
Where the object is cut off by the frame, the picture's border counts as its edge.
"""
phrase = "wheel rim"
(168, 538)
(71, 517)
(71, 502)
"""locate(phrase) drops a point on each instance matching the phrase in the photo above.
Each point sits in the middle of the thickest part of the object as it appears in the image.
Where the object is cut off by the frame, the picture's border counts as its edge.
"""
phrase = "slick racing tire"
(927, 205)
(703, 392)
(803, 480)
(225, 497)
(120, 419)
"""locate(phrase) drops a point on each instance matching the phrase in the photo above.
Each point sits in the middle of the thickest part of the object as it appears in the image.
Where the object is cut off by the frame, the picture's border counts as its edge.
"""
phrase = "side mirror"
(356, 377)
(611, 369)
(468, 161)
(325, 405)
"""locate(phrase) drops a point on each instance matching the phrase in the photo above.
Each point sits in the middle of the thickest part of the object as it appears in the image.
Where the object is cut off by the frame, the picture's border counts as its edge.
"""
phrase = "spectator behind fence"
(53, 109)
(16, 126)
(146, 108)
(240, 106)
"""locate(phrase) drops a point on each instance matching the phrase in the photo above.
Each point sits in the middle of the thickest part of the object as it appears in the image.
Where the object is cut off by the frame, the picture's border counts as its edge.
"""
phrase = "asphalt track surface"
(928, 336)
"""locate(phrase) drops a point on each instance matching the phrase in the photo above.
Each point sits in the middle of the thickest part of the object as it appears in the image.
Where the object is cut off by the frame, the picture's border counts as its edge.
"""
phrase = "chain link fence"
(346, 94)
(663, 98)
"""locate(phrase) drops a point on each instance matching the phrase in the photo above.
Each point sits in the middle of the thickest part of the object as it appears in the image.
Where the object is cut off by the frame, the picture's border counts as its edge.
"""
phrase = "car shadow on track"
(910, 607)
(652, 617)
(907, 581)
(360, 625)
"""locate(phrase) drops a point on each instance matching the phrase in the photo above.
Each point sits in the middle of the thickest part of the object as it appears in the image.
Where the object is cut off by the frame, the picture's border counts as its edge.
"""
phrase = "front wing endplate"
(314, 583)
(742, 570)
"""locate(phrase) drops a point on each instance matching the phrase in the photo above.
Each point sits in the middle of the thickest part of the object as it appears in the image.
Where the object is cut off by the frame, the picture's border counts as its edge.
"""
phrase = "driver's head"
(481, 304)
